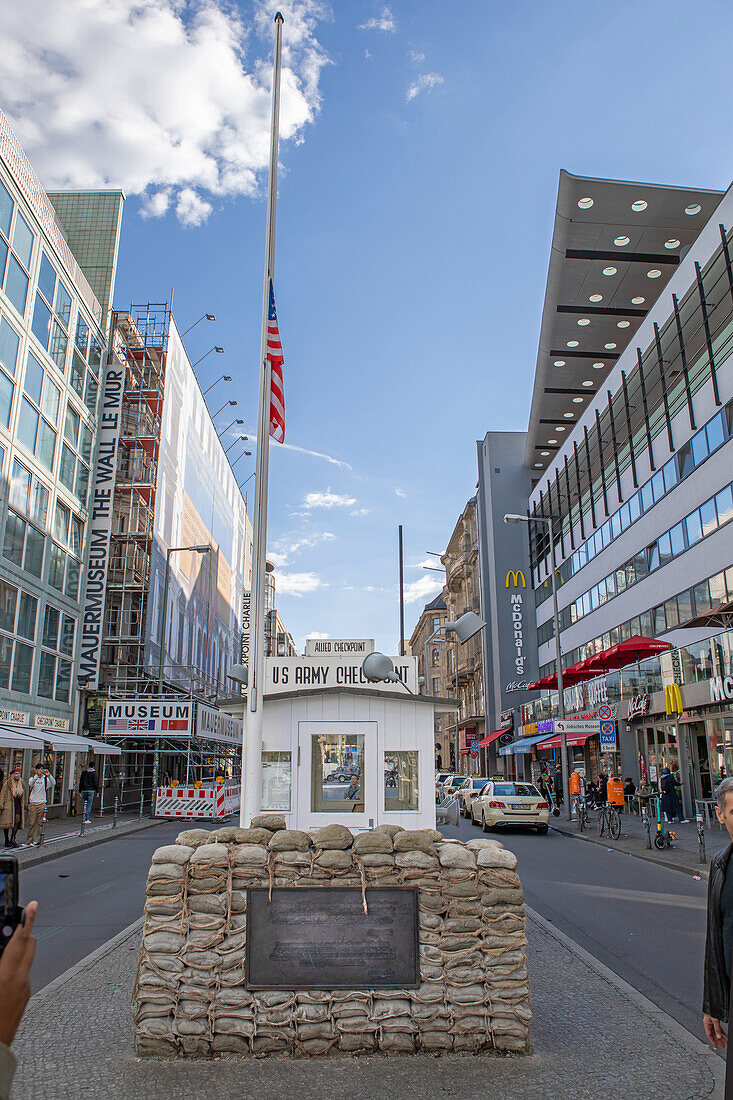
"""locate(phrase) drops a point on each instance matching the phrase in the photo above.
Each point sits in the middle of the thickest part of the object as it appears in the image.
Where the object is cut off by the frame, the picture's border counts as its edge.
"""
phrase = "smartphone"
(10, 912)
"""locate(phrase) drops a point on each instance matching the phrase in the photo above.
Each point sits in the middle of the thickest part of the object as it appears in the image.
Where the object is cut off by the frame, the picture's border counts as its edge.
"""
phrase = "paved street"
(86, 897)
(646, 923)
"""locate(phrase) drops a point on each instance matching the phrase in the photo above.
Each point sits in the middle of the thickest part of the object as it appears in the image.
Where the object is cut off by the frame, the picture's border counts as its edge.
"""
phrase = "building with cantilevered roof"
(629, 448)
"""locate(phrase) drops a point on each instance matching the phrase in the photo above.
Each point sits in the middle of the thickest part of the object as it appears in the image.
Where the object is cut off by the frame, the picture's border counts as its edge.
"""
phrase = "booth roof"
(345, 689)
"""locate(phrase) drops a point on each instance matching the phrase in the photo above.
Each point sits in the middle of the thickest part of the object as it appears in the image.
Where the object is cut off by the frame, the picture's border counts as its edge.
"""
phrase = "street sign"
(474, 746)
(608, 736)
(474, 754)
(605, 712)
(576, 725)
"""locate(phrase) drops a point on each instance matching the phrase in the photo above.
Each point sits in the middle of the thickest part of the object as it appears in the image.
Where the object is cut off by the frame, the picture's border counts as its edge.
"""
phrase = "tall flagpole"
(252, 733)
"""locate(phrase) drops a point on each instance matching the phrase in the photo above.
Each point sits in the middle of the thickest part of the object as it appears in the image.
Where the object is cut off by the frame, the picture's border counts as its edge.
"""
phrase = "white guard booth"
(337, 748)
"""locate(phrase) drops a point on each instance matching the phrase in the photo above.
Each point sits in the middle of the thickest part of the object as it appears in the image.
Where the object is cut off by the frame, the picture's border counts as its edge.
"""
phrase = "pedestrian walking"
(671, 805)
(39, 784)
(557, 780)
(13, 802)
(719, 938)
(88, 786)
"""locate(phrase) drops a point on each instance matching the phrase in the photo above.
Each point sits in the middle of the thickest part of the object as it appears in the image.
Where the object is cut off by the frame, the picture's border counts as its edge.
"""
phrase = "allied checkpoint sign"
(302, 673)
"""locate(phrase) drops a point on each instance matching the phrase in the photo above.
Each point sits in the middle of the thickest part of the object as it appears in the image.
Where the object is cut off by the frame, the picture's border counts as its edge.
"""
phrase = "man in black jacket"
(88, 786)
(719, 940)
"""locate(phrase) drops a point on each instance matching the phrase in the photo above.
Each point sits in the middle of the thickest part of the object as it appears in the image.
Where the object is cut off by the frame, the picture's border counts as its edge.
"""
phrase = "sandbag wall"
(190, 999)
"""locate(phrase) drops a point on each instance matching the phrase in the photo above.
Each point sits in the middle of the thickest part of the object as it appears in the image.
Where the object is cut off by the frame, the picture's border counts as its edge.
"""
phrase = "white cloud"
(297, 584)
(385, 21)
(327, 499)
(313, 454)
(423, 589)
(423, 83)
(401, 493)
(284, 549)
(416, 56)
(427, 563)
(163, 99)
(317, 636)
(359, 512)
(367, 55)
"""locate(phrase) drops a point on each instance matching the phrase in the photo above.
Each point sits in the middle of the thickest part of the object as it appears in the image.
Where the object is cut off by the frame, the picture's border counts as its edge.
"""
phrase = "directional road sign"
(608, 736)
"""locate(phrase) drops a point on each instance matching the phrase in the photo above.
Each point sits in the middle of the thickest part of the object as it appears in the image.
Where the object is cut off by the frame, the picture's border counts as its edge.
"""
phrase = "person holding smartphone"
(17, 948)
(40, 783)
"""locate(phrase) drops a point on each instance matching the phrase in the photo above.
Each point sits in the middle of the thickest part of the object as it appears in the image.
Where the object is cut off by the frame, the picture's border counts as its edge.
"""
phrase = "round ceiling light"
(623, 324)
(596, 298)
(638, 300)
(609, 347)
(639, 205)
(559, 363)
(693, 208)
(572, 343)
(576, 401)
(569, 416)
(588, 382)
(583, 321)
(538, 465)
(560, 428)
(672, 243)
(586, 203)
(598, 366)
(552, 441)
(544, 453)
(621, 241)
(610, 270)
(654, 273)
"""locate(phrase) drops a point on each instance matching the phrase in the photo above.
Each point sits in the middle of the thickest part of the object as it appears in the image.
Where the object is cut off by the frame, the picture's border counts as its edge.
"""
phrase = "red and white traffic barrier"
(205, 802)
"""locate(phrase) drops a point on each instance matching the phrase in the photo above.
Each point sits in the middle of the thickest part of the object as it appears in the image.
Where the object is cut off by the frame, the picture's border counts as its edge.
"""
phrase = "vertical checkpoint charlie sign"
(100, 523)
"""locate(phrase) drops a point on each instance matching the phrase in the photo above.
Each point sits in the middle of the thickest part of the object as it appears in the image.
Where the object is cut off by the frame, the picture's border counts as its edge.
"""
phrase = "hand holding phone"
(15, 974)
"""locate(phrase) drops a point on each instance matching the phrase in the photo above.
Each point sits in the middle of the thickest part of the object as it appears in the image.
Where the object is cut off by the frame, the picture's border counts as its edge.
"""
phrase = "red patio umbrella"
(631, 651)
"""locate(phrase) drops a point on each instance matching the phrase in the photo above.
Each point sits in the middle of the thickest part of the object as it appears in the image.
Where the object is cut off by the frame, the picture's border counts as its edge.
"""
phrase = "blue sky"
(416, 203)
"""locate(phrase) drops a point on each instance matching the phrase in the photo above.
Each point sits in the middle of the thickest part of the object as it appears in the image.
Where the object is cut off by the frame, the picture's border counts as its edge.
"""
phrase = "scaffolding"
(141, 343)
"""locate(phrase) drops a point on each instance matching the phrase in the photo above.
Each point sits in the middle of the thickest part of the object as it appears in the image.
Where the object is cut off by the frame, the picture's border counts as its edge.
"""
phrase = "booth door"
(340, 779)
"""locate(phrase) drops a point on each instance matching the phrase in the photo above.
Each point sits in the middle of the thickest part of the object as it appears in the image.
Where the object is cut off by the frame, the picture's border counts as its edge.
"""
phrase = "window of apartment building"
(436, 656)
(23, 544)
(51, 313)
(39, 412)
(436, 686)
(16, 247)
(436, 624)
(65, 566)
(9, 344)
(18, 612)
(76, 450)
(57, 648)
(85, 363)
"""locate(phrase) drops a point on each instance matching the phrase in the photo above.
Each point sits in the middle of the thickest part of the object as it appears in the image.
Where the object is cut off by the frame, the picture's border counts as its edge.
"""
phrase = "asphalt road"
(87, 897)
(646, 923)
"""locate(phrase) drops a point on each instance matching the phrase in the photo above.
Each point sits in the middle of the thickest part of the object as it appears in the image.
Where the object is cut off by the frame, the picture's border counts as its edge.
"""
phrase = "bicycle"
(609, 818)
(581, 813)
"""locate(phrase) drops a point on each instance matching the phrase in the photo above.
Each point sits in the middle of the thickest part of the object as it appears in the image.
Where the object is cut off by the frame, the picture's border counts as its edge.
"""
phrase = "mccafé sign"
(516, 577)
(721, 688)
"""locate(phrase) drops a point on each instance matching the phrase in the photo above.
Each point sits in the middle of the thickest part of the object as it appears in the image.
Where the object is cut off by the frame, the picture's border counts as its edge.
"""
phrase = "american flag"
(277, 388)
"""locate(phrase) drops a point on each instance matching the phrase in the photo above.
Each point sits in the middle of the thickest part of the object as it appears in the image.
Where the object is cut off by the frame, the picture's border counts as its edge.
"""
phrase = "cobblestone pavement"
(589, 1039)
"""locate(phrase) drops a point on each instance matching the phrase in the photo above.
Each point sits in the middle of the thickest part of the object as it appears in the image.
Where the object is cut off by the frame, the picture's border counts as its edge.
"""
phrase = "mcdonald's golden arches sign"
(516, 576)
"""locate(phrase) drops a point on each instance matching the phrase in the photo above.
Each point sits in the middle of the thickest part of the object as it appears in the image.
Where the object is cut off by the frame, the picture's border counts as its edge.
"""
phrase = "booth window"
(277, 781)
(401, 780)
(337, 773)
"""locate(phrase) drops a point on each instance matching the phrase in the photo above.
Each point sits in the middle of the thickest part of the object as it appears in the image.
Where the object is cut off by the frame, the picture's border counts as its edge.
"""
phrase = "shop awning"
(572, 742)
(11, 738)
(524, 745)
(483, 744)
(722, 615)
(71, 742)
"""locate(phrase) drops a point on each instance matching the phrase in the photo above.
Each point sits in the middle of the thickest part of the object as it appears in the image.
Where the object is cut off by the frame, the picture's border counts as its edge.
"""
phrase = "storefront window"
(277, 779)
(337, 773)
(401, 780)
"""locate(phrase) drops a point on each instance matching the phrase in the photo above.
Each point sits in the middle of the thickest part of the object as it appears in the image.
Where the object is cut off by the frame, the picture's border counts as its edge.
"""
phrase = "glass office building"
(52, 347)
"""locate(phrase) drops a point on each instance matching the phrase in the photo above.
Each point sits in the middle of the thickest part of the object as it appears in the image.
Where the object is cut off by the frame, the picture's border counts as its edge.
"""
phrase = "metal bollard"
(83, 823)
(114, 818)
(700, 820)
(42, 837)
(646, 821)
(141, 803)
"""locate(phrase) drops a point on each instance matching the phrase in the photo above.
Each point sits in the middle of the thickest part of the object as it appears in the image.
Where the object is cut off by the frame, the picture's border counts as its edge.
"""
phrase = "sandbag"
(496, 857)
(289, 840)
(173, 853)
(334, 837)
(273, 822)
(372, 843)
(233, 835)
(455, 855)
(414, 840)
(193, 837)
(389, 830)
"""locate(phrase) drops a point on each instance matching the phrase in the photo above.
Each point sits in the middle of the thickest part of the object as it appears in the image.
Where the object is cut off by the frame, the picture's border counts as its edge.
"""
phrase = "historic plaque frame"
(403, 936)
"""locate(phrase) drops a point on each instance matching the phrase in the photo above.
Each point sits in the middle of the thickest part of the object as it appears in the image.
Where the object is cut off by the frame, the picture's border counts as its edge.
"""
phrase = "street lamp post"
(225, 430)
(216, 348)
(239, 439)
(221, 378)
(203, 317)
(163, 624)
(221, 410)
(511, 518)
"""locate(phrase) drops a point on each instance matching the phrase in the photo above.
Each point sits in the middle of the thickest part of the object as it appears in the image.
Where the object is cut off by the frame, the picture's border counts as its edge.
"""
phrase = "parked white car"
(468, 791)
(504, 802)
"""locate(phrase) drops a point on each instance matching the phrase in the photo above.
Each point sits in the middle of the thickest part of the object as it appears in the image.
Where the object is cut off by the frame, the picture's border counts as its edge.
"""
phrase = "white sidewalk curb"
(680, 1034)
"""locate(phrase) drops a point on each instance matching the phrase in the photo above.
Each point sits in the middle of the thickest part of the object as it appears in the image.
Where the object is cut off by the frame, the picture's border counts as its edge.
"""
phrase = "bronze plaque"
(314, 937)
